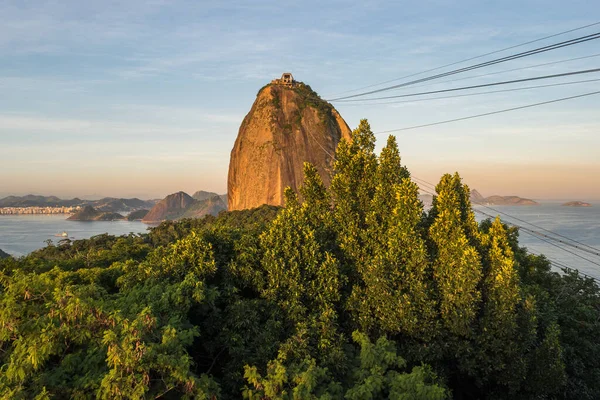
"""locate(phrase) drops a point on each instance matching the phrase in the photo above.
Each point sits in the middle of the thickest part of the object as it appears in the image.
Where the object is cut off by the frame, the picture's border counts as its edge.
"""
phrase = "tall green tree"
(302, 275)
(352, 189)
(456, 263)
(392, 295)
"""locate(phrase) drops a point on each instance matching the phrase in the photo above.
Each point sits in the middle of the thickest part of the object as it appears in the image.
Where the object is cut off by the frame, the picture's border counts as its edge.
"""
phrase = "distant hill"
(106, 204)
(210, 206)
(577, 204)
(89, 213)
(203, 195)
(509, 201)
(181, 205)
(38, 201)
(476, 197)
(137, 215)
(116, 204)
(3, 254)
(170, 208)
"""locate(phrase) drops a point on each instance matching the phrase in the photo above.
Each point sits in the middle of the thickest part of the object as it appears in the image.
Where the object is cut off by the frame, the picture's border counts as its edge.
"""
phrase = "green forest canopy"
(350, 292)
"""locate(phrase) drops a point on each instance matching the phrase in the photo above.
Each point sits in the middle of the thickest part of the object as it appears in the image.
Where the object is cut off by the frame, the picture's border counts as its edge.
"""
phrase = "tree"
(392, 295)
(302, 275)
(456, 263)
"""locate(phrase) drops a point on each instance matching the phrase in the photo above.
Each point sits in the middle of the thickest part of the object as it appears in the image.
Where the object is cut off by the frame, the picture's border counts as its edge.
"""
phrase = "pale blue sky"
(144, 98)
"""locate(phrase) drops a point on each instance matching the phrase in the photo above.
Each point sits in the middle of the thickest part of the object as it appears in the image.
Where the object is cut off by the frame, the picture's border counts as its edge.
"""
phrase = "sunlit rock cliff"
(287, 125)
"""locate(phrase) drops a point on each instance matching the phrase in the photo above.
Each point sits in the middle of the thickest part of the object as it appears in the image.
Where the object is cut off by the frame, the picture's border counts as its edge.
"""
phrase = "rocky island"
(576, 204)
(477, 198)
(509, 201)
(89, 213)
(3, 254)
(137, 215)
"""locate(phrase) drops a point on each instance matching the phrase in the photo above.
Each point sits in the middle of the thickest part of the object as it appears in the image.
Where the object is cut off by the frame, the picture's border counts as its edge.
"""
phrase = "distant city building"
(38, 210)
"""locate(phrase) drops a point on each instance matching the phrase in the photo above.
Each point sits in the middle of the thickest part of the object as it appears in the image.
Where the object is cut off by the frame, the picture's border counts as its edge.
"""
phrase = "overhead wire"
(488, 113)
(563, 266)
(504, 71)
(576, 244)
(554, 46)
(546, 240)
(542, 237)
(473, 58)
(424, 182)
(592, 249)
(510, 82)
(471, 94)
(518, 226)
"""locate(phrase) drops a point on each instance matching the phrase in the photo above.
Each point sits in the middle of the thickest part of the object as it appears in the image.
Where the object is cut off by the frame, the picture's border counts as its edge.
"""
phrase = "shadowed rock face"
(3, 255)
(286, 127)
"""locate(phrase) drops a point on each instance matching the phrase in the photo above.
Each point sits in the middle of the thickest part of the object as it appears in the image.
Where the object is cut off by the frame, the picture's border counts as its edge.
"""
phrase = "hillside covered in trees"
(351, 292)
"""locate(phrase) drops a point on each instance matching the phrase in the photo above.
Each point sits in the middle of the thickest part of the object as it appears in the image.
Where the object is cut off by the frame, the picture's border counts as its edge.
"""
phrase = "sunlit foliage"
(348, 292)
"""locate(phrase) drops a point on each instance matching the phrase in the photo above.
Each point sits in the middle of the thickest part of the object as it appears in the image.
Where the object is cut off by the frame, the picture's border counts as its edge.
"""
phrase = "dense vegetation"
(351, 292)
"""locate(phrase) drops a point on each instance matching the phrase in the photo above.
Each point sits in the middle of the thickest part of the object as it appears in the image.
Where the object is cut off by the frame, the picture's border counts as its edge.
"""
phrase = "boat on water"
(62, 234)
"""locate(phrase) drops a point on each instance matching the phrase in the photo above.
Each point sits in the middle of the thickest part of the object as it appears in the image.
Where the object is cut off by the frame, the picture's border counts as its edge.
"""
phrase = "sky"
(145, 98)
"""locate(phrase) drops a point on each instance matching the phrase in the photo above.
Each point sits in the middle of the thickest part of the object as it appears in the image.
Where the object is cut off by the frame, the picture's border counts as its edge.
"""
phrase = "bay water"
(21, 234)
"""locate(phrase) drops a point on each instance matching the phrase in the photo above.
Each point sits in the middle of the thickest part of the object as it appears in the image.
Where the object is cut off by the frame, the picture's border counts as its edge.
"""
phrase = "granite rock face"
(287, 126)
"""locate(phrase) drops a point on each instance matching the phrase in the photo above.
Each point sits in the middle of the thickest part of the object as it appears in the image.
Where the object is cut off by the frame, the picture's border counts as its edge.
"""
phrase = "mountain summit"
(288, 124)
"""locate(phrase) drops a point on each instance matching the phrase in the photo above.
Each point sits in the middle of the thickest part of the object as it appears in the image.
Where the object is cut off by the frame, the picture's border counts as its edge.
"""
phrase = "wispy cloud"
(96, 130)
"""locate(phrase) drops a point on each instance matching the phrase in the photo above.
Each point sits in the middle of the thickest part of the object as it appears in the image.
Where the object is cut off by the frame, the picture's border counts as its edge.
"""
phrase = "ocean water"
(21, 234)
(578, 223)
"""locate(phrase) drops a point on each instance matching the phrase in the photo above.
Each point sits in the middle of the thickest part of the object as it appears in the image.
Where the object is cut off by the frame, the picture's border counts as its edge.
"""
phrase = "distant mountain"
(137, 215)
(38, 201)
(210, 206)
(203, 195)
(509, 201)
(3, 255)
(171, 207)
(577, 204)
(181, 205)
(115, 204)
(105, 204)
(89, 213)
(476, 197)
